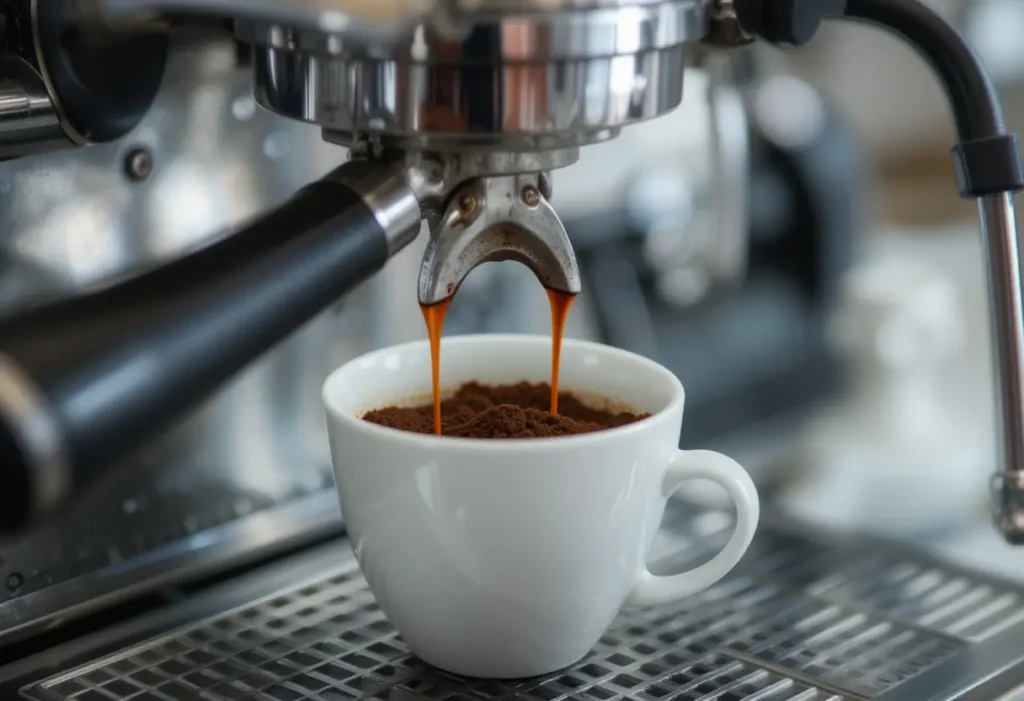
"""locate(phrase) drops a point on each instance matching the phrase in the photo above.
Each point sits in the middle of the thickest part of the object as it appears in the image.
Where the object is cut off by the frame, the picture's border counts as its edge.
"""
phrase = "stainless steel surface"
(77, 220)
(689, 197)
(38, 436)
(727, 25)
(730, 159)
(527, 106)
(27, 115)
(999, 233)
(803, 618)
(503, 74)
(186, 536)
(532, 31)
(366, 22)
(494, 219)
(386, 191)
(512, 76)
(435, 175)
(23, 104)
(235, 480)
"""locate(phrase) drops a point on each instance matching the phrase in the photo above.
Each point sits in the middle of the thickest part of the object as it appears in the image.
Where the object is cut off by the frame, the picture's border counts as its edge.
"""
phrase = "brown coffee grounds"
(504, 411)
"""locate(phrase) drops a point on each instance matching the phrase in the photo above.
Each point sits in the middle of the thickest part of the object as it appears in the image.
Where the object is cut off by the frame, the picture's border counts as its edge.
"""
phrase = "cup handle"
(689, 465)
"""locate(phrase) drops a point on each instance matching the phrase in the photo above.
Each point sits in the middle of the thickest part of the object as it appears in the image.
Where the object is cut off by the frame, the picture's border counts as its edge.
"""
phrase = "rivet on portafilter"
(497, 219)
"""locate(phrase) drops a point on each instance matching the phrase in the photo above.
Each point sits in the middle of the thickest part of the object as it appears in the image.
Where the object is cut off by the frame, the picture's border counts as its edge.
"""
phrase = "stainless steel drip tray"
(800, 619)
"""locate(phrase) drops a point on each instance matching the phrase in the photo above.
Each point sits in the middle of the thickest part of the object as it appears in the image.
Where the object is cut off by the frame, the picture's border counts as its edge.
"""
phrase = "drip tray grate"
(798, 621)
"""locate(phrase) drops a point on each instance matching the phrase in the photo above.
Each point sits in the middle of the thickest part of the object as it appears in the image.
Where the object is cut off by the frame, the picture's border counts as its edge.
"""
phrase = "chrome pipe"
(999, 237)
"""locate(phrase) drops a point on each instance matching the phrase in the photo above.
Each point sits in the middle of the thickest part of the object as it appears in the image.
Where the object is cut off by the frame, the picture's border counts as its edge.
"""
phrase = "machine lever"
(86, 381)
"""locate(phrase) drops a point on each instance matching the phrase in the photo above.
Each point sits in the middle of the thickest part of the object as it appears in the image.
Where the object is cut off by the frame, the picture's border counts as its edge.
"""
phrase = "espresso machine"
(457, 118)
(724, 221)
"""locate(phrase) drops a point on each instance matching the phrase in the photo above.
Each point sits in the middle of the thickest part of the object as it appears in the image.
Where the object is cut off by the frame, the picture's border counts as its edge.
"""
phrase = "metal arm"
(988, 168)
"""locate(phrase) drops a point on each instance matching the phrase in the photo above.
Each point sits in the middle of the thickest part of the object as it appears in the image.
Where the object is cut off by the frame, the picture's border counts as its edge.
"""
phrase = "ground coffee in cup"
(519, 410)
(434, 315)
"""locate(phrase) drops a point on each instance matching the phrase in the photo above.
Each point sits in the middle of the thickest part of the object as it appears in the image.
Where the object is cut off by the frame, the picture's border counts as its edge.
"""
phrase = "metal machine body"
(689, 246)
(455, 114)
(442, 105)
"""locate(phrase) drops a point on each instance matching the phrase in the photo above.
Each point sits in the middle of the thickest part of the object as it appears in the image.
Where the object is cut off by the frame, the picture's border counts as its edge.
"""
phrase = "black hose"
(971, 92)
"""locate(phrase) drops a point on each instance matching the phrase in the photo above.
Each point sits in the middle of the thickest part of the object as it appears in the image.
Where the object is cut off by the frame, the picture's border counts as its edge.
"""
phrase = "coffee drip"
(560, 302)
(433, 315)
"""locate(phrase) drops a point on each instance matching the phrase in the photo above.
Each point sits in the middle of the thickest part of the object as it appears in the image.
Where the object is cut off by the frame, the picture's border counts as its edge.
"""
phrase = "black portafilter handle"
(86, 381)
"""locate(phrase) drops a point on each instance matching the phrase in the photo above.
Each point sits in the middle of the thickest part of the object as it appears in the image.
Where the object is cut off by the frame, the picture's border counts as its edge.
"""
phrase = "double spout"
(497, 218)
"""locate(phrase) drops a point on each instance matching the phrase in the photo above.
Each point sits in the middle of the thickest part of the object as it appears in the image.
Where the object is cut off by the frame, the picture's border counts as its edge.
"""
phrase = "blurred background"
(789, 242)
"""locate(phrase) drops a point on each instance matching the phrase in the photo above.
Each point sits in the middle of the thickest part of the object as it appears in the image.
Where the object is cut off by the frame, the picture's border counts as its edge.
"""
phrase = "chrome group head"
(481, 97)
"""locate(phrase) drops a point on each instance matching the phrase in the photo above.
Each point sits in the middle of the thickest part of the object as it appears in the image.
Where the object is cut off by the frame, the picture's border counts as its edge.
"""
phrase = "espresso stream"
(433, 315)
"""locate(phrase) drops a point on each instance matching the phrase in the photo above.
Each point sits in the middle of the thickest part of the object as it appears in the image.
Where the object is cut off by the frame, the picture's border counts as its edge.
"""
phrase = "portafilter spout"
(497, 218)
(988, 169)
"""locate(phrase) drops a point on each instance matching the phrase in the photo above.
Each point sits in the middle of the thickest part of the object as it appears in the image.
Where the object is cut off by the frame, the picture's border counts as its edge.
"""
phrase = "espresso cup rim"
(398, 436)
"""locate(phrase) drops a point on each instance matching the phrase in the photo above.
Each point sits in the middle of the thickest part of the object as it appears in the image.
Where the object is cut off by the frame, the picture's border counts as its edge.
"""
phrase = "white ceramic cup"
(510, 558)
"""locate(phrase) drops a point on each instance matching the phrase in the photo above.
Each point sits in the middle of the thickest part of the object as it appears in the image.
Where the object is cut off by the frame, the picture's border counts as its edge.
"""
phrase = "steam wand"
(988, 168)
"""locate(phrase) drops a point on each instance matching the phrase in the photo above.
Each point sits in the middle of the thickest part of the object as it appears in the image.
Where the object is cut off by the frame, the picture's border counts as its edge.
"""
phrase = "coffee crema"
(520, 410)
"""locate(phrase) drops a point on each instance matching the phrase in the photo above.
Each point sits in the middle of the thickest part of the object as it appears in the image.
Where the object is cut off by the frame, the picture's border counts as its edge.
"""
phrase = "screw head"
(467, 204)
(139, 164)
(531, 196)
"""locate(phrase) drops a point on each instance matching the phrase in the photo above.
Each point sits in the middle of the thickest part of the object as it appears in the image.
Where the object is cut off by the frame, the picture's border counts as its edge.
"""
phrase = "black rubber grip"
(119, 366)
(988, 166)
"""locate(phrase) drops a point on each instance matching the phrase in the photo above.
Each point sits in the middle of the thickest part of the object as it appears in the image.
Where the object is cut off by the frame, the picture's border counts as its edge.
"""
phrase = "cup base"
(501, 669)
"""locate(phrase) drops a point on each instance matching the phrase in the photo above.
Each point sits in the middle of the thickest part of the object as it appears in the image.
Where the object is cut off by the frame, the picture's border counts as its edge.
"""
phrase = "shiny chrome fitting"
(1008, 495)
(495, 219)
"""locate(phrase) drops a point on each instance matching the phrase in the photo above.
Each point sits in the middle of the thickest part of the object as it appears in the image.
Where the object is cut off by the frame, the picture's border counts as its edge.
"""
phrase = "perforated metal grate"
(135, 516)
(330, 641)
(797, 620)
(912, 591)
(740, 640)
